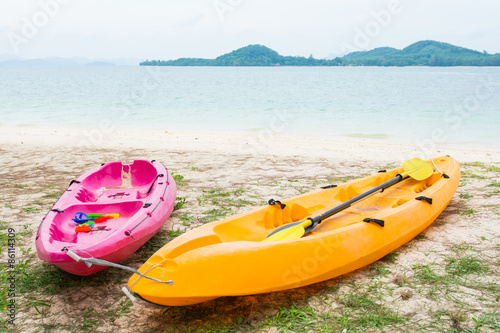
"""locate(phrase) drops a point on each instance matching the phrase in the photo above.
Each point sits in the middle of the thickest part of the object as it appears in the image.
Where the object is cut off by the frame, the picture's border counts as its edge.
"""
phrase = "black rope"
(153, 183)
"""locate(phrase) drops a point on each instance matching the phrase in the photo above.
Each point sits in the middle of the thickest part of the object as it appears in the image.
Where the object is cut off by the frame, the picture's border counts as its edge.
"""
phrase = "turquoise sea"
(449, 106)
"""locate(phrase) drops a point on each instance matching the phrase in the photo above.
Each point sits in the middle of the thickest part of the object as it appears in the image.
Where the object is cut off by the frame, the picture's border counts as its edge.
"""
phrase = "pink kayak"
(136, 200)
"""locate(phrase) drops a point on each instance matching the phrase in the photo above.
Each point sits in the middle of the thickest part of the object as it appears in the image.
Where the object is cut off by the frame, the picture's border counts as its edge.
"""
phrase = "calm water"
(446, 105)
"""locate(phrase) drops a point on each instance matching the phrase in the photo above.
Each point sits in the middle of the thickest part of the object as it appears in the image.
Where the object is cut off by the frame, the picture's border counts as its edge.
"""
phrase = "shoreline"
(241, 143)
(259, 134)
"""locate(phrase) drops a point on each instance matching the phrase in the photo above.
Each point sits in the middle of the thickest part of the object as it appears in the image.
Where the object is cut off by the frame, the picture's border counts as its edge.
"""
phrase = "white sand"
(240, 143)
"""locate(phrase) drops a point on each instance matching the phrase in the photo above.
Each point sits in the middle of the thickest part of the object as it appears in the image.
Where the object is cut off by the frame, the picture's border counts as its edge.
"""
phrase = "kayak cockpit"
(63, 227)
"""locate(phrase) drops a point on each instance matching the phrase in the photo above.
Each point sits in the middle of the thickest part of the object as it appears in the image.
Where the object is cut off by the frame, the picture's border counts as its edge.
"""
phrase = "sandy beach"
(417, 288)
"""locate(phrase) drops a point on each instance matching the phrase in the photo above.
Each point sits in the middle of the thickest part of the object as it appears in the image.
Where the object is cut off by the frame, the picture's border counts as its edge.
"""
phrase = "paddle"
(415, 168)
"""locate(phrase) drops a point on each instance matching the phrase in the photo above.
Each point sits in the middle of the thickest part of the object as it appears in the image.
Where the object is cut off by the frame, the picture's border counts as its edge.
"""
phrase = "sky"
(166, 29)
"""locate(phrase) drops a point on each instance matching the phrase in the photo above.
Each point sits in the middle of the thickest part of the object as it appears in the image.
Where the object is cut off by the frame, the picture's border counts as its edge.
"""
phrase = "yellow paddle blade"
(289, 231)
(417, 169)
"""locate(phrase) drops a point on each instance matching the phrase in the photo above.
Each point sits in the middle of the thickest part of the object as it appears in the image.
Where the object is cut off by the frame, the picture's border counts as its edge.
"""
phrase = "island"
(423, 53)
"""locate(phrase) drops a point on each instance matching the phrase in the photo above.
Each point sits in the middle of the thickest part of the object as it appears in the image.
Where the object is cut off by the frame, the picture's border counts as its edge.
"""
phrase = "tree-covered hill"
(251, 55)
(423, 53)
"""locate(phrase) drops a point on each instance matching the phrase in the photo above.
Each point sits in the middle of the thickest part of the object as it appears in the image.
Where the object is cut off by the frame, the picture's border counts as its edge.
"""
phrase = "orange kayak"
(229, 257)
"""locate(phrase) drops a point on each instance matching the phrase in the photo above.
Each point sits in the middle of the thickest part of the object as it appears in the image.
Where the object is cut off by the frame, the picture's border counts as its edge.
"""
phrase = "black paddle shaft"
(318, 219)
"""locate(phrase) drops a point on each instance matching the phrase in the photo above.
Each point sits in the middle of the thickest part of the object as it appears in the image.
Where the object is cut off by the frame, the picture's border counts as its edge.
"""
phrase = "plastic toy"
(83, 228)
(86, 227)
(84, 218)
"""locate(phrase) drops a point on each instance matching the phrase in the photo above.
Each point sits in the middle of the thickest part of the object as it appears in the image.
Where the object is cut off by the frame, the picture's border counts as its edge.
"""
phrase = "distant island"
(423, 53)
(9, 60)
